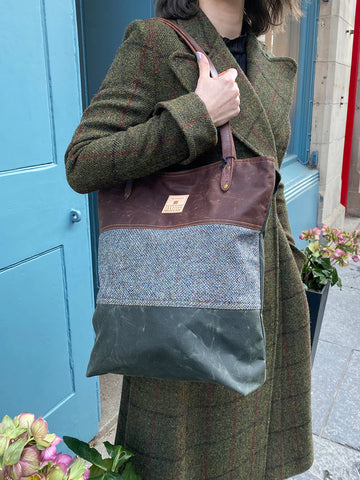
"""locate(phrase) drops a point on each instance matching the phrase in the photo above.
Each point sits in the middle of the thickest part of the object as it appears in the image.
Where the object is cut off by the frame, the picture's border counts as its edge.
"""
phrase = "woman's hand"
(221, 95)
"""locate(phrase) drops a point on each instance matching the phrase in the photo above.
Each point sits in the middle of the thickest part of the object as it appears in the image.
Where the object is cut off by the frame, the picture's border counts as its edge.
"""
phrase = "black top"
(237, 47)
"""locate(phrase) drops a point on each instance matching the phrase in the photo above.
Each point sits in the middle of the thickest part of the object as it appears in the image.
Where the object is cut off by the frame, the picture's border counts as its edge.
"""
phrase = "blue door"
(46, 293)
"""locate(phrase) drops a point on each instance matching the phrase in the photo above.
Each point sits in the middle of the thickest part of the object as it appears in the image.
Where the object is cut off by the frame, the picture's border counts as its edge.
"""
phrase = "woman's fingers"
(221, 95)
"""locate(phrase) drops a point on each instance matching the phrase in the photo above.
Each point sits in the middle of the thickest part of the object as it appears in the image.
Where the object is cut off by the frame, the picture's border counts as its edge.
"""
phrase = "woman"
(154, 111)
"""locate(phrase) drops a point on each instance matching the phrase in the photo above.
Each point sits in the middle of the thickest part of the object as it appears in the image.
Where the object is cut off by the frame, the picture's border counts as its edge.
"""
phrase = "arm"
(124, 134)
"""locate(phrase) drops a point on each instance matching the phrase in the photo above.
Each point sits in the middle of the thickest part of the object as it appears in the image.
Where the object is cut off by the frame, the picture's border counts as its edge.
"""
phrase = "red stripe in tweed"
(276, 89)
(152, 429)
(234, 438)
(195, 120)
(141, 66)
(182, 432)
(292, 396)
(254, 130)
(254, 437)
(191, 64)
(207, 429)
(219, 54)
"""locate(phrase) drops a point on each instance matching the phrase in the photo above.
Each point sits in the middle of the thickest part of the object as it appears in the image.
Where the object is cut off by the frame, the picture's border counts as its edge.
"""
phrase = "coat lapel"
(265, 93)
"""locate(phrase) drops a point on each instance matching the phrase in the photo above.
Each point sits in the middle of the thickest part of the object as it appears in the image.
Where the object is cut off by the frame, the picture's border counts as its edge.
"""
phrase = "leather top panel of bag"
(198, 197)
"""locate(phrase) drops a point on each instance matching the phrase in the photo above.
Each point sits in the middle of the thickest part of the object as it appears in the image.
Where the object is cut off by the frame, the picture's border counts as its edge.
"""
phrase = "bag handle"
(227, 139)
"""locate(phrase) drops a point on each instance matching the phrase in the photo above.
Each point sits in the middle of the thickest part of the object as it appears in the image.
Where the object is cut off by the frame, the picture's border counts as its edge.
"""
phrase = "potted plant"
(28, 451)
(327, 249)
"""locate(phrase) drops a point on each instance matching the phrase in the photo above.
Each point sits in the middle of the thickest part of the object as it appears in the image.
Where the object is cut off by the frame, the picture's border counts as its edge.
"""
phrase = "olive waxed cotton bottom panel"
(172, 343)
(207, 266)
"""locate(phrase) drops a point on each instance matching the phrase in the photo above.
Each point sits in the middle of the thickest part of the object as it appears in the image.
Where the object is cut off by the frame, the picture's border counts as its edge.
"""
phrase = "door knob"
(75, 216)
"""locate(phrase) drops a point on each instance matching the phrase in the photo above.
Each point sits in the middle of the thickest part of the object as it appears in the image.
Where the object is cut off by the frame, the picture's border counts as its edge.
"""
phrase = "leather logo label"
(175, 204)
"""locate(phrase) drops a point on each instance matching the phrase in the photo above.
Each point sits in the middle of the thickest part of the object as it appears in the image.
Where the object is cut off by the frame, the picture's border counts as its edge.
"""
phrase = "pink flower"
(356, 258)
(338, 252)
(302, 237)
(49, 454)
(29, 461)
(327, 252)
(14, 472)
(341, 239)
(63, 461)
(86, 474)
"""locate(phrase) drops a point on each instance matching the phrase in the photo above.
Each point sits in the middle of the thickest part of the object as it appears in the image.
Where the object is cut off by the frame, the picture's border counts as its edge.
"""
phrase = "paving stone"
(328, 369)
(332, 462)
(341, 323)
(306, 476)
(343, 425)
(350, 276)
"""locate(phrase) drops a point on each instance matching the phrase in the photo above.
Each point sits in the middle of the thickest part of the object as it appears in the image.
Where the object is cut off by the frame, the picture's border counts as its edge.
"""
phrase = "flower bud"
(26, 419)
(39, 429)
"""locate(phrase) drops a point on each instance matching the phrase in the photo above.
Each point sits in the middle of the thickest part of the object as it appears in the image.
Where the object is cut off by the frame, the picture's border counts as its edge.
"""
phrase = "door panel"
(103, 32)
(45, 258)
(29, 103)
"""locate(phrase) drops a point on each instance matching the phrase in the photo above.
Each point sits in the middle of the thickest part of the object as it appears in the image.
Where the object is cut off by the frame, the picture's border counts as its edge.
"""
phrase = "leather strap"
(227, 139)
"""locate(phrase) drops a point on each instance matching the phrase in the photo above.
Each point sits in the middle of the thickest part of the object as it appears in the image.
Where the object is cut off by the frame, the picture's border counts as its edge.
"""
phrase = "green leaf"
(108, 462)
(113, 450)
(76, 470)
(109, 476)
(6, 425)
(119, 454)
(17, 432)
(113, 476)
(13, 453)
(84, 451)
(129, 473)
(4, 443)
(96, 472)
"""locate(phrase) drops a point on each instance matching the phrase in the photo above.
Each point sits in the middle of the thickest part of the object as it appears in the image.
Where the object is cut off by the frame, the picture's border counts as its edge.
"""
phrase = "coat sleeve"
(124, 134)
(283, 216)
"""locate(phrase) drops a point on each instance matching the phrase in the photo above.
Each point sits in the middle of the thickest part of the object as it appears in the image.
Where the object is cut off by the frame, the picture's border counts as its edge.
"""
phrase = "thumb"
(232, 72)
(204, 67)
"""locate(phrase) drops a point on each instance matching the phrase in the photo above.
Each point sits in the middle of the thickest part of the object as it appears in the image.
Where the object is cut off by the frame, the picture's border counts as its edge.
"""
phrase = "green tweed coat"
(146, 117)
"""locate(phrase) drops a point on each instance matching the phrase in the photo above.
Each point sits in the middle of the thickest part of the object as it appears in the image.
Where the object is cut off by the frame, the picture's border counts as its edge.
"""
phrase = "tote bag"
(181, 265)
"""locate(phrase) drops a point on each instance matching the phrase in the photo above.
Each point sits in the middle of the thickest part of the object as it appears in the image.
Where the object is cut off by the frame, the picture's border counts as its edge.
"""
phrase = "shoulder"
(152, 27)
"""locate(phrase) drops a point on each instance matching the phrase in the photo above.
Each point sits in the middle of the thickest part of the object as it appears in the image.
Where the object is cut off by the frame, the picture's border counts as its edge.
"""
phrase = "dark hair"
(259, 15)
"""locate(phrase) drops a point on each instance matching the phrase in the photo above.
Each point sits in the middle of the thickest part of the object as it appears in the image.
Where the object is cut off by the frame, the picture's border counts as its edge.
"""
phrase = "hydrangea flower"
(327, 249)
(28, 450)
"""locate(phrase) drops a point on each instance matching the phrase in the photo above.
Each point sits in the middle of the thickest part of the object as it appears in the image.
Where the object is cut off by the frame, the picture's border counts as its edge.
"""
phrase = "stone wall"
(333, 62)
